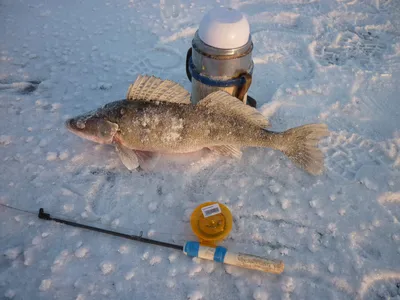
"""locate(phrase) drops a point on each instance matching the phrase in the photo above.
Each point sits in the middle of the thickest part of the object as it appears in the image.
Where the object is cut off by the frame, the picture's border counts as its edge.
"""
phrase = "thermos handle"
(247, 78)
(188, 56)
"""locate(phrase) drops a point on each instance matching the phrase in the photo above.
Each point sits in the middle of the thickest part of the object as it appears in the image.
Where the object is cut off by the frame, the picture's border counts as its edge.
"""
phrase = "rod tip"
(42, 215)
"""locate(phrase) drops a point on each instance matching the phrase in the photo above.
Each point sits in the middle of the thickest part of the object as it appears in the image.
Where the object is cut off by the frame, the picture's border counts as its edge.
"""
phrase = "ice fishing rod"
(211, 222)
(46, 216)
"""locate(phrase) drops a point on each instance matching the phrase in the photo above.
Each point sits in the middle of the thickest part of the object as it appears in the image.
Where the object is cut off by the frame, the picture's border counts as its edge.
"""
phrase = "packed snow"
(331, 61)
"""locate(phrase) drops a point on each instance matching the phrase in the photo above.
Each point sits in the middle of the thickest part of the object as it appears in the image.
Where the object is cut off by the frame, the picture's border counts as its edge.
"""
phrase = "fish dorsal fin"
(227, 104)
(151, 88)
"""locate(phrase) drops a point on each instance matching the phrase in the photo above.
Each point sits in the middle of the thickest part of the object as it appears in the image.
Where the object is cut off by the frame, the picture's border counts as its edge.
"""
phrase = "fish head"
(93, 126)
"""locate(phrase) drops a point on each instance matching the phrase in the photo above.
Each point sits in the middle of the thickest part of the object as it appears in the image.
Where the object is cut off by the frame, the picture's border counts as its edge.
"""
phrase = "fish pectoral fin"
(127, 156)
(147, 160)
(228, 150)
(151, 88)
(225, 103)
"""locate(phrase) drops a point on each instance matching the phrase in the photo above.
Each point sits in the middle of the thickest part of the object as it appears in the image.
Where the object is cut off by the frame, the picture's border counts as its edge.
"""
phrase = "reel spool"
(211, 222)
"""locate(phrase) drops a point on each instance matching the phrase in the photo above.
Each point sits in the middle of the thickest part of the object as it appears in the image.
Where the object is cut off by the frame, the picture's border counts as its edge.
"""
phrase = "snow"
(328, 61)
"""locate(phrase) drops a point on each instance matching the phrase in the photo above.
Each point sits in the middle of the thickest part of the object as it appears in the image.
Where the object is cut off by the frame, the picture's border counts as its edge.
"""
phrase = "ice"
(107, 268)
(81, 252)
(60, 261)
(195, 269)
(5, 140)
(153, 207)
(9, 294)
(155, 260)
(36, 240)
(51, 156)
(80, 297)
(124, 249)
(29, 257)
(260, 294)
(145, 255)
(285, 204)
(209, 266)
(195, 295)
(68, 207)
(45, 285)
(13, 253)
(130, 275)
(328, 61)
(170, 283)
(172, 257)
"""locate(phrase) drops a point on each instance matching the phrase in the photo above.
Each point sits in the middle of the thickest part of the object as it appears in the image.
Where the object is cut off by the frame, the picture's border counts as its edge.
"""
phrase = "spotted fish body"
(178, 128)
(157, 117)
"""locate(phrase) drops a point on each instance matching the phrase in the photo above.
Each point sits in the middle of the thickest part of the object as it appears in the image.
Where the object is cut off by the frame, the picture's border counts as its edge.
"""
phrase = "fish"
(157, 117)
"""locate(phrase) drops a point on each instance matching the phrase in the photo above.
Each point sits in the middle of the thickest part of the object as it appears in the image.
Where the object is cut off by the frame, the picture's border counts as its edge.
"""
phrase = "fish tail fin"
(300, 144)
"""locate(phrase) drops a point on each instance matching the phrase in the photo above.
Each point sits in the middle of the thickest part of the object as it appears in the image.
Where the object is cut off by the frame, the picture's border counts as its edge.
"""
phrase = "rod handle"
(222, 255)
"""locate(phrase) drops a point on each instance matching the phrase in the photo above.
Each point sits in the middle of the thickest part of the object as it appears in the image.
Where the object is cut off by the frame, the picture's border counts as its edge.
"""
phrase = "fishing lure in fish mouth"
(157, 117)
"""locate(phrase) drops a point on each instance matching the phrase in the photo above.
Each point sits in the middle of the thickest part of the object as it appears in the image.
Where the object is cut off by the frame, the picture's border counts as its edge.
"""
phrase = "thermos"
(221, 56)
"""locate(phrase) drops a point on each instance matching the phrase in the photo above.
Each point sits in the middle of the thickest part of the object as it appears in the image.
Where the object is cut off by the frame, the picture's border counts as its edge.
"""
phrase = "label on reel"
(211, 210)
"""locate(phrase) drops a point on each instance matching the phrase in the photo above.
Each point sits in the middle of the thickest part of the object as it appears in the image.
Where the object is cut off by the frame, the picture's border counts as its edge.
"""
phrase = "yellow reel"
(211, 222)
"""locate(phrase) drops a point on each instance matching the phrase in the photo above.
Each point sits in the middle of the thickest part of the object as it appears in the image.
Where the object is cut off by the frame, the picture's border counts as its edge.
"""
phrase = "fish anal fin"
(147, 160)
(227, 104)
(228, 150)
(151, 88)
(127, 156)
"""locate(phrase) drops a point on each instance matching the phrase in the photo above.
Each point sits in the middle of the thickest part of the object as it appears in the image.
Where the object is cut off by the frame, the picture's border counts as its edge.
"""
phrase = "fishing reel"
(211, 222)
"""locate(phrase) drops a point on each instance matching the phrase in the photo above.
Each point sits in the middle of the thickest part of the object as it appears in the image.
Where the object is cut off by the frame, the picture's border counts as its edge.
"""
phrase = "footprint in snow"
(346, 154)
(364, 48)
(380, 285)
(20, 87)
(101, 196)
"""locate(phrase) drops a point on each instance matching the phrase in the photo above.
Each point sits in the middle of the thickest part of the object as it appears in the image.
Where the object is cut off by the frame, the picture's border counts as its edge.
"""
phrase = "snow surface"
(333, 61)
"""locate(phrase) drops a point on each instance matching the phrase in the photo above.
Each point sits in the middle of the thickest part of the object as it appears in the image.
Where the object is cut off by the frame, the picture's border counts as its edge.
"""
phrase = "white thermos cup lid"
(224, 28)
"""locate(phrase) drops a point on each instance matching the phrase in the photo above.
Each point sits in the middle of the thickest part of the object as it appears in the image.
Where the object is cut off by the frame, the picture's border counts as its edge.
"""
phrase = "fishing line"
(18, 209)
(181, 235)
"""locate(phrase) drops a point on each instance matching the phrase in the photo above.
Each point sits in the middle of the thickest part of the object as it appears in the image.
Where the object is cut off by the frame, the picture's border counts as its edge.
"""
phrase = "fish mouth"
(68, 124)
(71, 126)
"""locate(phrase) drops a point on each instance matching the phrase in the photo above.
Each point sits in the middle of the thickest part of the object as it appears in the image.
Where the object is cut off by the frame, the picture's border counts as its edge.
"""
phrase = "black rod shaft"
(46, 216)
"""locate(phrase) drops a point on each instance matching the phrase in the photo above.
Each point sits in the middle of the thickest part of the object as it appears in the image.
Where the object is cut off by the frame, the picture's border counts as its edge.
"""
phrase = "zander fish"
(158, 117)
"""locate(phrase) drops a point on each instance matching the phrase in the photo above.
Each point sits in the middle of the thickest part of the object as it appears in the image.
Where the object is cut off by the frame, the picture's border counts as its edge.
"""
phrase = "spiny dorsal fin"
(151, 88)
(229, 105)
